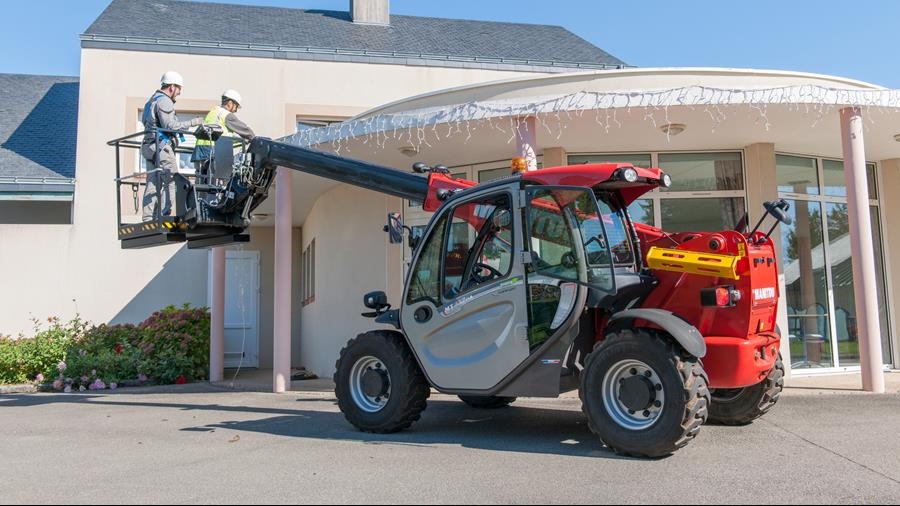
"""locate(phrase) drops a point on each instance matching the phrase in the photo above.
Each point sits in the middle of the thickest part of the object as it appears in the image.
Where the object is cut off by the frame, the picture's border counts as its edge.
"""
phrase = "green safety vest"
(216, 117)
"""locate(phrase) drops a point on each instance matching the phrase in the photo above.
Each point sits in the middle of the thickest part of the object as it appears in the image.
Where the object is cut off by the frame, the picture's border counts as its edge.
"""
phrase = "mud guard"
(686, 334)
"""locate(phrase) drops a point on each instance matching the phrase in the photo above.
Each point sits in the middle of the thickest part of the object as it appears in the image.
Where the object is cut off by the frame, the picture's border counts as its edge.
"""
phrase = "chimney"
(370, 12)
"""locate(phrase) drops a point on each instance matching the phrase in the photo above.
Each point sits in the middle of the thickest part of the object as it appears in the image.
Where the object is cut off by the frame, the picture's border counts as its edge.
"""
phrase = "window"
(638, 160)
(308, 274)
(425, 280)
(479, 245)
(703, 171)
(557, 219)
(617, 234)
(491, 174)
(701, 215)
(818, 266)
(35, 212)
(836, 184)
(309, 124)
(797, 174)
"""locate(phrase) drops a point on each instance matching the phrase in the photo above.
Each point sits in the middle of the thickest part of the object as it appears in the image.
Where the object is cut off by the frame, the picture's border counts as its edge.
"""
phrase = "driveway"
(202, 443)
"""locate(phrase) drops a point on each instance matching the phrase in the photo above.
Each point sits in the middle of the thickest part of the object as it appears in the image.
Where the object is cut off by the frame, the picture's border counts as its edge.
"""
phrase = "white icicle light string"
(417, 128)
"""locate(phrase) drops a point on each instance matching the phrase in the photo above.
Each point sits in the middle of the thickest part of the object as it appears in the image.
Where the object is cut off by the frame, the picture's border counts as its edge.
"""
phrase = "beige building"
(295, 69)
(731, 139)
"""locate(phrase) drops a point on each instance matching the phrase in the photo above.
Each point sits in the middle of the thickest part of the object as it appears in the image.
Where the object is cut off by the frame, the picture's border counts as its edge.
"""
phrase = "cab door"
(464, 310)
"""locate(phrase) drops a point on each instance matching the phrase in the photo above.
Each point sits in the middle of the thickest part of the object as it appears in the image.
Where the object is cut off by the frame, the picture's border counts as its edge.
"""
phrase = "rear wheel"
(487, 402)
(740, 406)
(378, 383)
(642, 394)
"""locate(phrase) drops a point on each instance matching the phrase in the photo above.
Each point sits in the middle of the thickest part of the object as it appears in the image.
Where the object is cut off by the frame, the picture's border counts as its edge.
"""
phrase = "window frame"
(449, 213)
(824, 200)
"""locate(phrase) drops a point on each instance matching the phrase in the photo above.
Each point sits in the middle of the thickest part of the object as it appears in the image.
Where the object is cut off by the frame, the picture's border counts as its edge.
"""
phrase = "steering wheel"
(478, 278)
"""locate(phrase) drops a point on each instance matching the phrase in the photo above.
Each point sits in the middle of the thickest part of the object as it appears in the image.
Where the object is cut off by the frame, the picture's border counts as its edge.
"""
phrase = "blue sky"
(851, 39)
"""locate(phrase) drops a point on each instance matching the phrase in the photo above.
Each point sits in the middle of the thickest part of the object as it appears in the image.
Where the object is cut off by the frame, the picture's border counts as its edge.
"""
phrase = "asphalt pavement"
(207, 444)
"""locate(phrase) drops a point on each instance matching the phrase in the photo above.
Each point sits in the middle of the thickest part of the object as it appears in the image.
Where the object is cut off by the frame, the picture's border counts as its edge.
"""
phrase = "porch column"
(526, 141)
(554, 157)
(217, 317)
(281, 360)
(864, 285)
(762, 186)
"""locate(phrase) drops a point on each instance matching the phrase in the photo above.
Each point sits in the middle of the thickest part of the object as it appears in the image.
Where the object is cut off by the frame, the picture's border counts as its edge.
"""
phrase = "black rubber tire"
(741, 406)
(487, 402)
(409, 388)
(684, 382)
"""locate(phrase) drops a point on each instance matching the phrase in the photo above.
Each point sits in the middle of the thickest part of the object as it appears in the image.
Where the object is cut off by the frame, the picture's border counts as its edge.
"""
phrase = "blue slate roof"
(240, 30)
(38, 128)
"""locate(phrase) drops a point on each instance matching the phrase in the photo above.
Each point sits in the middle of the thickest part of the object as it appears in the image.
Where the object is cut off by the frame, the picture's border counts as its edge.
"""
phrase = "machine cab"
(502, 272)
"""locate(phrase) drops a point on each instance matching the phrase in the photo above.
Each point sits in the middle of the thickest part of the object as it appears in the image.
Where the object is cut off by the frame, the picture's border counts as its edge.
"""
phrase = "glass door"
(818, 268)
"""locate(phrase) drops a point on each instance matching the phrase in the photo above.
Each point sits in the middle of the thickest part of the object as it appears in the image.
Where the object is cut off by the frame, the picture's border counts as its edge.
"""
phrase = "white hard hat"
(232, 95)
(171, 77)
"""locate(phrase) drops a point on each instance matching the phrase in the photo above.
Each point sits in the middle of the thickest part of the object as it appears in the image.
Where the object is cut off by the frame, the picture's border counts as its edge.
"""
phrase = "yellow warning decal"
(692, 262)
(742, 249)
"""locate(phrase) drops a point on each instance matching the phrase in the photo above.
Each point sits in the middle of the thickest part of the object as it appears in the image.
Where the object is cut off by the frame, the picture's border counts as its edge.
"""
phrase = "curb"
(18, 389)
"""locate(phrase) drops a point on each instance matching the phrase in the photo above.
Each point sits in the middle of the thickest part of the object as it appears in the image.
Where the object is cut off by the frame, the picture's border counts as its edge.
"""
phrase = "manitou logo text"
(763, 293)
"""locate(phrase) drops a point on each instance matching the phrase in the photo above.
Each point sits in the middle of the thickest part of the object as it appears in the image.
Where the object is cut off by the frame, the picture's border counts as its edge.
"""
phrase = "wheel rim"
(370, 384)
(633, 395)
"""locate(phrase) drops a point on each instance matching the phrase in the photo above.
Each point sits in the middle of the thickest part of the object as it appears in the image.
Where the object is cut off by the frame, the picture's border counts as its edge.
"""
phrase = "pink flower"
(180, 380)
(81, 388)
(113, 386)
(84, 379)
(58, 385)
(118, 349)
(68, 389)
(98, 385)
(39, 378)
(61, 366)
(94, 372)
(142, 378)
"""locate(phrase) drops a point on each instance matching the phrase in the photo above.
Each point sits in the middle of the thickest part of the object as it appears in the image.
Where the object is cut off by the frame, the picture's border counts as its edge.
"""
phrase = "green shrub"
(171, 346)
(178, 341)
(23, 360)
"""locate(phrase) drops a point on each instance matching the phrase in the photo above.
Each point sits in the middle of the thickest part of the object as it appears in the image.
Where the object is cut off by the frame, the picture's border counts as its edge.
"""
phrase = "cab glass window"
(479, 245)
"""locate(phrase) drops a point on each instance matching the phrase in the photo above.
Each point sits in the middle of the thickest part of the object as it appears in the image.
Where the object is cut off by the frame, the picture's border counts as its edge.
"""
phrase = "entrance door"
(241, 308)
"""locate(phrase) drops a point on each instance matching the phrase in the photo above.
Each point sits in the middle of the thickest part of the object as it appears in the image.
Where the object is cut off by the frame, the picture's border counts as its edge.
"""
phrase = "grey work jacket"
(159, 112)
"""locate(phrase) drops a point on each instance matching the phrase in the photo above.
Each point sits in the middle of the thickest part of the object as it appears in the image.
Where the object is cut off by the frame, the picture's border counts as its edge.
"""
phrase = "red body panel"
(733, 362)
(735, 336)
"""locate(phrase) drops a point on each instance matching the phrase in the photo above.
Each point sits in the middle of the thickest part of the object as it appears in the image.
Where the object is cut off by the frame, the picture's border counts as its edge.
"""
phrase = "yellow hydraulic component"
(692, 262)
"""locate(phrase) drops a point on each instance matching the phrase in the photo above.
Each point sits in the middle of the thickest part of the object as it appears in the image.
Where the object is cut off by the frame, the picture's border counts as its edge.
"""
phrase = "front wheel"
(740, 406)
(378, 383)
(642, 394)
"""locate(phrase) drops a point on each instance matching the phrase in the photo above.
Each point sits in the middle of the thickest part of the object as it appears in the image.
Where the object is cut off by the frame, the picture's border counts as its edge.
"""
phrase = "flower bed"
(171, 346)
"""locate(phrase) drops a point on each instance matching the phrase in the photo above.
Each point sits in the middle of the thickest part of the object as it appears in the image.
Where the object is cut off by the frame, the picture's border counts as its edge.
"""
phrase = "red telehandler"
(531, 285)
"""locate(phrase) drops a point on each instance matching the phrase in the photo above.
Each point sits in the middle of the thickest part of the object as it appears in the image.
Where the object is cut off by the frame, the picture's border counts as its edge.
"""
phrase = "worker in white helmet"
(224, 116)
(159, 147)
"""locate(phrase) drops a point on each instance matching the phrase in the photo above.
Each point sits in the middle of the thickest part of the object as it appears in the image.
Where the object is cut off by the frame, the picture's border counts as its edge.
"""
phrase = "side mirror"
(777, 209)
(375, 300)
(394, 228)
